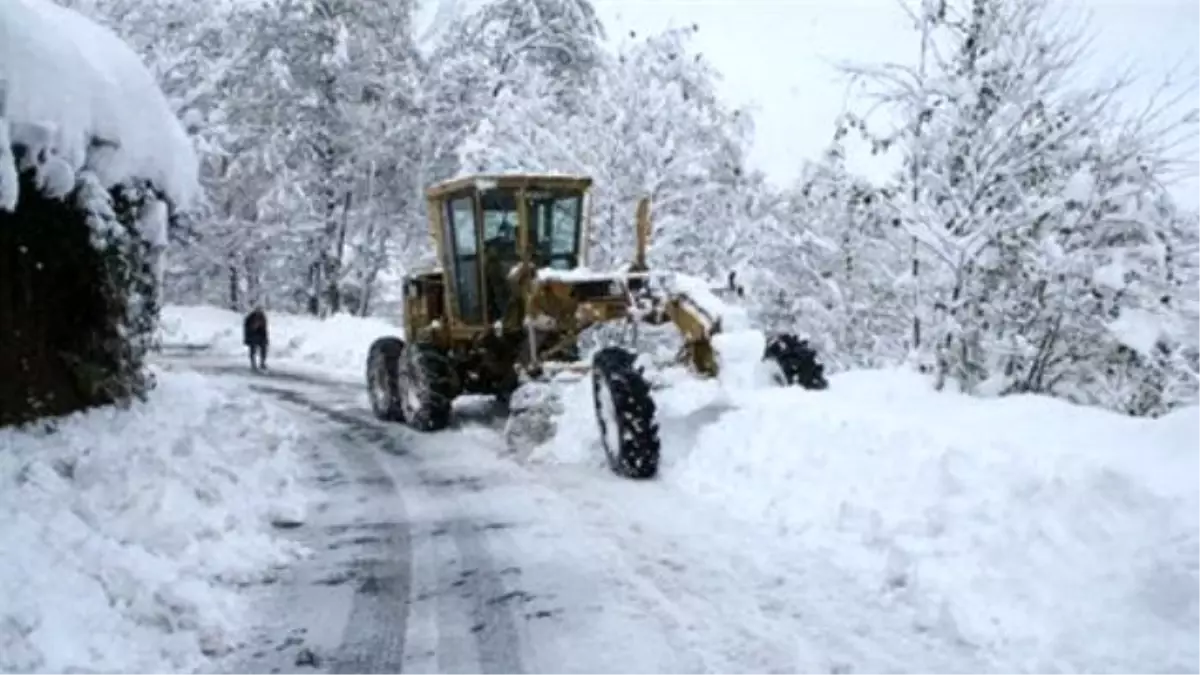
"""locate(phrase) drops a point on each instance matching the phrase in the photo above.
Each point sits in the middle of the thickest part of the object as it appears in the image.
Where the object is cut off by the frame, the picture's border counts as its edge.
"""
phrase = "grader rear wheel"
(383, 365)
(426, 387)
(410, 383)
(625, 413)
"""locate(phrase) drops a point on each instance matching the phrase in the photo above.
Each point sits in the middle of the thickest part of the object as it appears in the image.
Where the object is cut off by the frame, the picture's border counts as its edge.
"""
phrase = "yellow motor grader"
(511, 297)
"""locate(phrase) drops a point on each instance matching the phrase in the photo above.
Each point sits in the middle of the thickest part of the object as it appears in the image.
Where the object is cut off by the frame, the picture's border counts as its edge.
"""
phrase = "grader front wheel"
(625, 414)
(792, 361)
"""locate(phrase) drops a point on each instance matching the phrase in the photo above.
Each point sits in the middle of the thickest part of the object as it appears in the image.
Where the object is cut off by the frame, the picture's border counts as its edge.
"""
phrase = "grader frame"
(507, 297)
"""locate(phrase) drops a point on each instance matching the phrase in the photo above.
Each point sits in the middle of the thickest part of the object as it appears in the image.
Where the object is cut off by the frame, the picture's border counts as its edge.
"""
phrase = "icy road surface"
(442, 553)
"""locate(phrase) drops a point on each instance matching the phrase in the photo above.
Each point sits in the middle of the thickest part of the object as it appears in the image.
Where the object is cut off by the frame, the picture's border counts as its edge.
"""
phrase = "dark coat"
(254, 328)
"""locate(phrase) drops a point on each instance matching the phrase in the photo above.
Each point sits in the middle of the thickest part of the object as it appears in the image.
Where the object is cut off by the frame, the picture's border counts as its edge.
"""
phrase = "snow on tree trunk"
(92, 167)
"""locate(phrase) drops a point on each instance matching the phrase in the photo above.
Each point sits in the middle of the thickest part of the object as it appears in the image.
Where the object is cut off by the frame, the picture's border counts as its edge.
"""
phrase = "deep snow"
(1052, 536)
(65, 82)
(126, 533)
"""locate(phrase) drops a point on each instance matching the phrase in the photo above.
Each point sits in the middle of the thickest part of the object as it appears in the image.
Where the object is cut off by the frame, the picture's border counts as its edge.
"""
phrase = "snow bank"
(1052, 537)
(126, 533)
(66, 81)
(337, 345)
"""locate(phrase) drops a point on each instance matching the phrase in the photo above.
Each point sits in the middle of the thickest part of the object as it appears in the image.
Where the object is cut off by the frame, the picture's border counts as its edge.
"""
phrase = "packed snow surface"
(1053, 536)
(127, 532)
(66, 82)
(336, 345)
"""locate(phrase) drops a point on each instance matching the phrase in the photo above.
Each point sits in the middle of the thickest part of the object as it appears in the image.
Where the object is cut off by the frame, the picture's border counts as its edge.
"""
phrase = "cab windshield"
(554, 221)
(554, 224)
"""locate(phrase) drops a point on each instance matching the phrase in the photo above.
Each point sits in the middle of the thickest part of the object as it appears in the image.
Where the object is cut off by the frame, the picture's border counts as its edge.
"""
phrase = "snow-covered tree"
(826, 266)
(651, 126)
(349, 68)
(1019, 183)
(560, 38)
(308, 150)
(207, 58)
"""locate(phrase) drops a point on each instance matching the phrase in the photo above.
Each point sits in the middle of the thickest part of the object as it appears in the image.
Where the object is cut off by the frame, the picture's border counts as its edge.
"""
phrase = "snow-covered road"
(443, 553)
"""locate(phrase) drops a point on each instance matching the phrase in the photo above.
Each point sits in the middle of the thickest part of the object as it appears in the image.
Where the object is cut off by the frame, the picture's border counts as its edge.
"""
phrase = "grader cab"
(512, 294)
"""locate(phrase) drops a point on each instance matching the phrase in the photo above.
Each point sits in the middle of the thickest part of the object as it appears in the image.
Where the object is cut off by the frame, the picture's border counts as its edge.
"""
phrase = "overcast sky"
(777, 55)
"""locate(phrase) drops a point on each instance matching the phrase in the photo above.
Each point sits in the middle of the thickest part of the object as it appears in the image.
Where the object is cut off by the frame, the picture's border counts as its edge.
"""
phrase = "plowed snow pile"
(1052, 536)
(126, 533)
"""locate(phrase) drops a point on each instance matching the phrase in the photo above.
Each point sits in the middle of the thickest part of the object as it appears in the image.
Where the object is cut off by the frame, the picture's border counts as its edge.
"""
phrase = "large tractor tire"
(383, 374)
(426, 386)
(793, 361)
(625, 414)
(410, 383)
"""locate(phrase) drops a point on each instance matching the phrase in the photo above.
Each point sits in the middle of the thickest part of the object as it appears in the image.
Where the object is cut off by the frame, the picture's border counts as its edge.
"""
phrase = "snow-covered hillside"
(126, 533)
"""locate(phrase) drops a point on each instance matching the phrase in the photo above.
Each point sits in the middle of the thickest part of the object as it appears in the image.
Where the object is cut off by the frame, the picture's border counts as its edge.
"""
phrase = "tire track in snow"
(500, 618)
(480, 594)
(468, 584)
(373, 639)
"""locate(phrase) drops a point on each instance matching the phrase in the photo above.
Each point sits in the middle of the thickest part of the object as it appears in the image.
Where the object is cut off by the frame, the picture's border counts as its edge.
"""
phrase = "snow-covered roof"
(509, 179)
(66, 81)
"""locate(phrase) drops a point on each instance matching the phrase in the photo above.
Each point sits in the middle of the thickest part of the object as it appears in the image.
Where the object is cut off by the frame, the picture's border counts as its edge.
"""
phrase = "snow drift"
(127, 532)
(71, 88)
(336, 345)
(1051, 536)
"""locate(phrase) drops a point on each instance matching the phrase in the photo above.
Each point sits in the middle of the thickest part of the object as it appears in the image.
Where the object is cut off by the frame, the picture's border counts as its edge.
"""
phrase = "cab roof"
(488, 181)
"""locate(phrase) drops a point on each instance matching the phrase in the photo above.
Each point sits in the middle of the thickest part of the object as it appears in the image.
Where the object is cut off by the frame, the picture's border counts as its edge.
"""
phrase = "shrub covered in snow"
(93, 165)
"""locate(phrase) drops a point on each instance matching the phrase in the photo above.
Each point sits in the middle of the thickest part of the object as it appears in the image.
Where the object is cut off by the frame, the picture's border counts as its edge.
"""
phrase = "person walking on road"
(254, 336)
